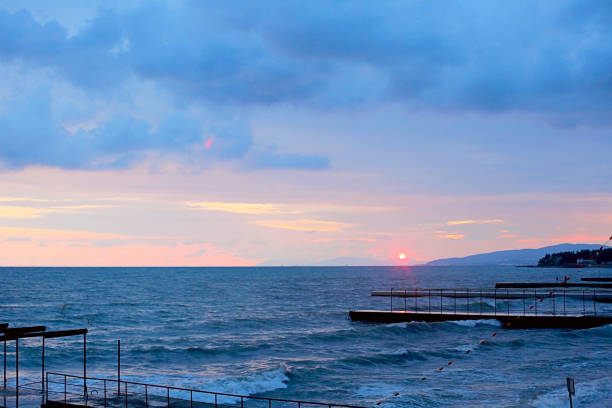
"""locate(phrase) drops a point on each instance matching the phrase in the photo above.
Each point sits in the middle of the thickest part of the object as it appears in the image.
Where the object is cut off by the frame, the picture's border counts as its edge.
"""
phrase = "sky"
(285, 132)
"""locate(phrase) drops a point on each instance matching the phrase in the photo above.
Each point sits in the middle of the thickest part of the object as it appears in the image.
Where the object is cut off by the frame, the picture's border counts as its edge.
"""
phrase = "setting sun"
(402, 256)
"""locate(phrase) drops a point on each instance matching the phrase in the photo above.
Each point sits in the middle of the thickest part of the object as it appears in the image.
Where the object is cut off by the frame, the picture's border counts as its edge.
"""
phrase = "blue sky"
(312, 129)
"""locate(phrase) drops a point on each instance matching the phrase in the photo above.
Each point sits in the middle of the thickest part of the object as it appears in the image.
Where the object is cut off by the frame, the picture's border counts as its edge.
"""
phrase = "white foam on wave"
(396, 325)
(377, 390)
(597, 393)
(406, 324)
(256, 383)
(465, 347)
(252, 384)
(474, 323)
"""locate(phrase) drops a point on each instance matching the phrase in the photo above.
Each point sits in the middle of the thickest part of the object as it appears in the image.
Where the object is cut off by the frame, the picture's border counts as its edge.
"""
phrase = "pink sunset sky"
(206, 134)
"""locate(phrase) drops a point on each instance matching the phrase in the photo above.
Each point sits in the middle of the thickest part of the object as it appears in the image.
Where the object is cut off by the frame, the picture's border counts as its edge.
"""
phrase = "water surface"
(284, 332)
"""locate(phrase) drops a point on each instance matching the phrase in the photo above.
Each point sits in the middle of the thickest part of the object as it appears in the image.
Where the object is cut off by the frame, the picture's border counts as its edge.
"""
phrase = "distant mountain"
(512, 257)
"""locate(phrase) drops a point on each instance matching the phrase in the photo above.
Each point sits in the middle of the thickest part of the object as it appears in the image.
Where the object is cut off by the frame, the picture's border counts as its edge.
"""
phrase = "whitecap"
(474, 323)
(256, 383)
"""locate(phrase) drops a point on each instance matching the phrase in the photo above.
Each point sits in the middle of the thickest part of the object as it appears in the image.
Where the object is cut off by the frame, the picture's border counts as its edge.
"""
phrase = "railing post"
(215, 400)
(468, 301)
(583, 306)
(455, 298)
(391, 299)
(441, 290)
(47, 387)
(481, 301)
(105, 393)
(65, 398)
(495, 302)
(241, 402)
(524, 295)
(168, 389)
(416, 300)
(85, 367)
(17, 369)
(535, 300)
(118, 367)
(554, 304)
(405, 307)
(126, 395)
(146, 396)
(508, 300)
(594, 304)
(42, 372)
(564, 313)
(190, 398)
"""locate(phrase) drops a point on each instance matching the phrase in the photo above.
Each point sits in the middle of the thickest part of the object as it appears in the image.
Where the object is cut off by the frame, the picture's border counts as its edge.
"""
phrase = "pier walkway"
(67, 390)
(73, 391)
(515, 309)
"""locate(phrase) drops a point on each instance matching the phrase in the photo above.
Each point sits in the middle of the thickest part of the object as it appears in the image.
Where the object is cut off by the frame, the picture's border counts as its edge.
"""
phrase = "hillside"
(529, 256)
(576, 258)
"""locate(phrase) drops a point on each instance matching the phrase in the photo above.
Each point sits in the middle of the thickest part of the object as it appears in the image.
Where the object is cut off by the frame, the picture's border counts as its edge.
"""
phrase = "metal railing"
(106, 392)
(555, 302)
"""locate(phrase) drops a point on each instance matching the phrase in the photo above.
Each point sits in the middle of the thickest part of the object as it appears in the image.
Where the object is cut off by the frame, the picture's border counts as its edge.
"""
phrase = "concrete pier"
(597, 279)
(509, 321)
(532, 285)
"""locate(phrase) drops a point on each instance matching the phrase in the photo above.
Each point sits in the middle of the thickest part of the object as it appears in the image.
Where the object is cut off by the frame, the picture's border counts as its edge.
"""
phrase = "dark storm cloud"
(30, 135)
(474, 55)
(549, 58)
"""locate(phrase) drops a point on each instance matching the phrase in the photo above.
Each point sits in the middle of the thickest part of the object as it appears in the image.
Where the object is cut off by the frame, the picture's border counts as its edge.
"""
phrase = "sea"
(284, 332)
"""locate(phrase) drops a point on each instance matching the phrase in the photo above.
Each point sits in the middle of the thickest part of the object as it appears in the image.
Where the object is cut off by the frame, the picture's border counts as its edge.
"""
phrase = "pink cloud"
(83, 248)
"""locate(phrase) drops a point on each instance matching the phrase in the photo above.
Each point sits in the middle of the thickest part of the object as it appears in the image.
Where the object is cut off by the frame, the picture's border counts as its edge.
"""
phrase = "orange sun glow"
(401, 256)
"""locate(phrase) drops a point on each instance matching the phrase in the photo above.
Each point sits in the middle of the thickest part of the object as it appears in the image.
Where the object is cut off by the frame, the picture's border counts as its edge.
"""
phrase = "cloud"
(58, 235)
(31, 199)
(306, 225)
(77, 253)
(446, 56)
(575, 239)
(82, 207)
(270, 159)
(550, 59)
(463, 222)
(240, 208)
(34, 135)
(196, 254)
(452, 236)
(18, 239)
(11, 211)
(22, 212)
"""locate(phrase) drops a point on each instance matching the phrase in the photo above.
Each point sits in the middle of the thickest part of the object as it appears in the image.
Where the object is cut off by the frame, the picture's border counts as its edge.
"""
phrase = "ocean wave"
(396, 356)
(596, 393)
(157, 350)
(251, 384)
(254, 384)
(474, 323)
(406, 325)
(377, 390)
